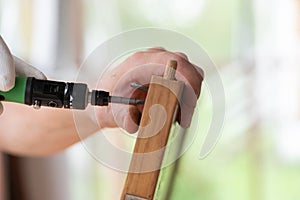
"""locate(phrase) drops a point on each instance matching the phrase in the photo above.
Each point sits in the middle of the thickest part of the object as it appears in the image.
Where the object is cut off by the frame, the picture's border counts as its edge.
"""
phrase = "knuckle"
(181, 59)
(200, 72)
(157, 48)
(175, 56)
(138, 54)
(183, 55)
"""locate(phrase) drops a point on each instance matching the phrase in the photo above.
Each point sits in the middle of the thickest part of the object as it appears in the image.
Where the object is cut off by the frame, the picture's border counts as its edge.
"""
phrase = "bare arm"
(25, 131)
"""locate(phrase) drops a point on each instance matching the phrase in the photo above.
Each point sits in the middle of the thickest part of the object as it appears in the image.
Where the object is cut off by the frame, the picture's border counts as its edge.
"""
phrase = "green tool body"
(32, 91)
(17, 94)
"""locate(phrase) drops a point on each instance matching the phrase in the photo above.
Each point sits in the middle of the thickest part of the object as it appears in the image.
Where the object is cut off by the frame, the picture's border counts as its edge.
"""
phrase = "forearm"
(25, 131)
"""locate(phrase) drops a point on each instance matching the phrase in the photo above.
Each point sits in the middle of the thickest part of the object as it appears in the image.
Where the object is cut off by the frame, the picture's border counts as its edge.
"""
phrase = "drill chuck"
(99, 98)
(56, 94)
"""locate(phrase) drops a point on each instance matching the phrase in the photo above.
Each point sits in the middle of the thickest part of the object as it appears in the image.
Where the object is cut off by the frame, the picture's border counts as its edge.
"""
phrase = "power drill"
(68, 95)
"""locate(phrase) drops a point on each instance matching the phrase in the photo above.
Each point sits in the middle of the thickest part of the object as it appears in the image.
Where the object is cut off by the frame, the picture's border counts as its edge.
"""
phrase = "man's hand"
(10, 66)
(139, 68)
(47, 138)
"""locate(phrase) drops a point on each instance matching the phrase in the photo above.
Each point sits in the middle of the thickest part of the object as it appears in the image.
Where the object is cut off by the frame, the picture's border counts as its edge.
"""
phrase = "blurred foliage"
(244, 165)
(211, 29)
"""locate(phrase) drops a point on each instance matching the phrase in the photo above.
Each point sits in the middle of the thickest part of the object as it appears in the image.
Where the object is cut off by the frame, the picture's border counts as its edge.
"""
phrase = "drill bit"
(102, 98)
(139, 86)
(125, 100)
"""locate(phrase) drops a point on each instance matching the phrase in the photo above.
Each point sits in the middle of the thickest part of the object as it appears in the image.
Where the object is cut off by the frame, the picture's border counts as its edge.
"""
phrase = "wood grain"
(158, 116)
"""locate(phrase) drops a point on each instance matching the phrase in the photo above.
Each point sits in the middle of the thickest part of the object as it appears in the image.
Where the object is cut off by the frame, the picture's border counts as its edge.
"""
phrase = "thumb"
(132, 120)
(127, 117)
(26, 70)
(7, 69)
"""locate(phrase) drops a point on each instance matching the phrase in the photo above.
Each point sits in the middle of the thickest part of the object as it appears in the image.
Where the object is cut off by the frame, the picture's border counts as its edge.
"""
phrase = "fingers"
(7, 69)
(185, 115)
(139, 68)
(182, 55)
(122, 116)
(11, 65)
(191, 75)
(26, 70)
(127, 117)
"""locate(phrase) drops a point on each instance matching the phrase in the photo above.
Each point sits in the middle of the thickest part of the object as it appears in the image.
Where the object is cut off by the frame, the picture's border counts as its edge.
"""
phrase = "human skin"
(29, 132)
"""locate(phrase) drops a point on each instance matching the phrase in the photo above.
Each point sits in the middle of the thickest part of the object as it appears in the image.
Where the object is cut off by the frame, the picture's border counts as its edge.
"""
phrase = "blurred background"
(255, 45)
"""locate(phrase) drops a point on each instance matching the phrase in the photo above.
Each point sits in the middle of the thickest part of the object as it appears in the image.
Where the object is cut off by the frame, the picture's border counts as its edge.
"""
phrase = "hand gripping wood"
(158, 115)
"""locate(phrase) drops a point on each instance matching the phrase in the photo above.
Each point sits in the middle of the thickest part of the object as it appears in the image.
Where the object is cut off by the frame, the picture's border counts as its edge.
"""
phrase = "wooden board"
(158, 116)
